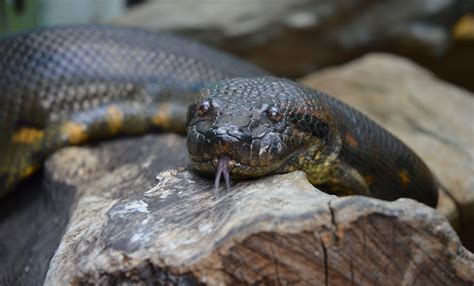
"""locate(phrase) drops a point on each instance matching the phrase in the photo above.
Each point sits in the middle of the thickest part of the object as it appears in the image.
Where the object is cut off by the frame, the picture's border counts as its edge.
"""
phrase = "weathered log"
(33, 218)
(129, 228)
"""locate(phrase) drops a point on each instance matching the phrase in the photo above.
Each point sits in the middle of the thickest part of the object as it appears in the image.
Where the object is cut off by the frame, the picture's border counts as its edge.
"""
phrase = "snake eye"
(274, 114)
(203, 108)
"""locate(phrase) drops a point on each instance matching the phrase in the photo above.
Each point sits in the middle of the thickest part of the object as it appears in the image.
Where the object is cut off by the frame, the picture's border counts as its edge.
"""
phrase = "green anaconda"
(72, 85)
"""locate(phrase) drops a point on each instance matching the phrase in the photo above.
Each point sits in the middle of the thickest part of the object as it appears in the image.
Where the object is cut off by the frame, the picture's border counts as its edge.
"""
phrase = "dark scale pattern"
(69, 85)
(394, 169)
(314, 132)
(51, 75)
(240, 125)
(61, 69)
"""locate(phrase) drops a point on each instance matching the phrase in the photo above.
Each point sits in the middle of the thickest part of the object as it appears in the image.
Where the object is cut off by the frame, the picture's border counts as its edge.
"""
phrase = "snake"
(72, 85)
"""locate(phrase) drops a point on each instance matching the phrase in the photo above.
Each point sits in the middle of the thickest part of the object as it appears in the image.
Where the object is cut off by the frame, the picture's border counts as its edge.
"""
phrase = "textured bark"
(129, 227)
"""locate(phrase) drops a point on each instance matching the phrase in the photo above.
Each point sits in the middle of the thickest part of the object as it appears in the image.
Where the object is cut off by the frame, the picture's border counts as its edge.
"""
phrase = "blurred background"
(290, 38)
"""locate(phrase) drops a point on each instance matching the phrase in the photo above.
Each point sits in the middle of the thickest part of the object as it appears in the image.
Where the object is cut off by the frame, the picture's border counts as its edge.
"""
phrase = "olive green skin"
(73, 85)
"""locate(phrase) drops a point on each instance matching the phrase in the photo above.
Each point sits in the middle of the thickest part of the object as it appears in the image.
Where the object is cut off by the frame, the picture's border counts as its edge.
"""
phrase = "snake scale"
(72, 85)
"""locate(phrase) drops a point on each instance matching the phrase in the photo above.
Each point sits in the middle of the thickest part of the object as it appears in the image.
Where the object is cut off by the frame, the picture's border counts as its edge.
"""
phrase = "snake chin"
(213, 154)
(227, 167)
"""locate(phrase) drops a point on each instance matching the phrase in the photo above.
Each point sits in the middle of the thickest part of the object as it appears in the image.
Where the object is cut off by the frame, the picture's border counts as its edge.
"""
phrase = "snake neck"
(317, 159)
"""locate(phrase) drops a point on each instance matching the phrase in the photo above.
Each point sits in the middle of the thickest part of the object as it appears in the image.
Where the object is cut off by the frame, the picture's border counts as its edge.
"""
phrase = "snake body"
(71, 85)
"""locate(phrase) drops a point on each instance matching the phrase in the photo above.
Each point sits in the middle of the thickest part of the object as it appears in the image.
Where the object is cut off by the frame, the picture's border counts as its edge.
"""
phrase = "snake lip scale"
(78, 84)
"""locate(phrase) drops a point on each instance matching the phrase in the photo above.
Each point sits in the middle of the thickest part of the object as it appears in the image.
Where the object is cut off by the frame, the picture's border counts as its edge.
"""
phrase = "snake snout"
(224, 141)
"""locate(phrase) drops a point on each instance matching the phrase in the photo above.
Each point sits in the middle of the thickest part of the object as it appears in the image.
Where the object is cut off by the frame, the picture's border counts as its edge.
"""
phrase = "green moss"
(17, 18)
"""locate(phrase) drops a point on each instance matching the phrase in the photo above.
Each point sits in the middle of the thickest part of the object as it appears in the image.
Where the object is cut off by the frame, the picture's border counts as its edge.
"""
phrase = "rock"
(129, 228)
(434, 118)
(293, 38)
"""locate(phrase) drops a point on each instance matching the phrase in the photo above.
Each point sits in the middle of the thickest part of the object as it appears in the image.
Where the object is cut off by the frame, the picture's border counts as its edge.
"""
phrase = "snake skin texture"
(72, 85)
(277, 126)
(69, 85)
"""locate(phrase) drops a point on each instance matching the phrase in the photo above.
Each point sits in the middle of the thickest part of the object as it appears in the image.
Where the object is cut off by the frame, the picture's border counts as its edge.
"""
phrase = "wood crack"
(326, 267)
(333, 221)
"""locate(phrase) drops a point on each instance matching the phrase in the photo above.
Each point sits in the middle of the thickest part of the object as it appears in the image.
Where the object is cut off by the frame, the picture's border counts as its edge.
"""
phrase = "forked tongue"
(222, 168)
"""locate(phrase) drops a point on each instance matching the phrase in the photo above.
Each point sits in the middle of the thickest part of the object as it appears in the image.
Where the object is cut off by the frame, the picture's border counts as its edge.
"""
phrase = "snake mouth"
(219, 153)
(225, 167)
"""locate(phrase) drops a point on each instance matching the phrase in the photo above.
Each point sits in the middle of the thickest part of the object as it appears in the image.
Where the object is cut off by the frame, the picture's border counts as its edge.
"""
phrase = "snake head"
(249, 127)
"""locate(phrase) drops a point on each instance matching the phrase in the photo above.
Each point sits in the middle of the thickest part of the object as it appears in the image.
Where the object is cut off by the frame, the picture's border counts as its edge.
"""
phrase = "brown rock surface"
(433, 117)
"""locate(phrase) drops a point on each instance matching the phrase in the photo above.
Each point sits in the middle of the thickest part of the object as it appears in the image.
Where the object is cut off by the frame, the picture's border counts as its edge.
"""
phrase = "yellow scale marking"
(114, 119)
(162, 116)
(404, 178)
(28, 171)
(369, 180)
(27, 135)
(464, 28)
(351, 140)
(74, 132)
